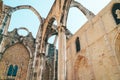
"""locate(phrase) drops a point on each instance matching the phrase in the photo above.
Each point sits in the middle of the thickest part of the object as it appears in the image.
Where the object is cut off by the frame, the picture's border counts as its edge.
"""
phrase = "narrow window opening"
(77, 42)
(12, 70)
(15, 69)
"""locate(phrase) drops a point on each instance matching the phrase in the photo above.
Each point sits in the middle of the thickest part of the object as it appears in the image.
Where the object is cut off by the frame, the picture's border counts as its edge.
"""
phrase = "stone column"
(54, 73)
(42, 63)
(7, 25)
(1, 13)
(29, 71)
(61, 53)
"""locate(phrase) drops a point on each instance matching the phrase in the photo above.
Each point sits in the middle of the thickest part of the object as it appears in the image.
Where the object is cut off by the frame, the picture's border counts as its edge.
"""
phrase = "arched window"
(115, 12)
(77, 42)
(15, 69)
(10, 70)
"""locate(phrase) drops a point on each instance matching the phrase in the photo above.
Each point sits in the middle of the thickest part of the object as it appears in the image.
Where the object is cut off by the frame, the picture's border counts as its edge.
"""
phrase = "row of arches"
(32, 9)
(22, 7)
(6, 20)
(85, 61)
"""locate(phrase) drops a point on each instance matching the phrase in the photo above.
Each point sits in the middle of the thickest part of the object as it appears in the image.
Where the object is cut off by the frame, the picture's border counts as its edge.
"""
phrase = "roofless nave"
(92, 53)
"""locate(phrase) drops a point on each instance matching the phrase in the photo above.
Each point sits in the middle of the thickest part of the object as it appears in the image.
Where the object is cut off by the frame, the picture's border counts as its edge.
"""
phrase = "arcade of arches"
(92, 53)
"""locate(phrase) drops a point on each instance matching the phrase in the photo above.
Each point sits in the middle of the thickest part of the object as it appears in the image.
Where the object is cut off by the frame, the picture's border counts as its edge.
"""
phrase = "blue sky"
(26, 18)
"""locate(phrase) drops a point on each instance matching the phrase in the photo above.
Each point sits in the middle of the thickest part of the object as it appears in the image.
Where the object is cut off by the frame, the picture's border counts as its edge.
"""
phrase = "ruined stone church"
(92, 53)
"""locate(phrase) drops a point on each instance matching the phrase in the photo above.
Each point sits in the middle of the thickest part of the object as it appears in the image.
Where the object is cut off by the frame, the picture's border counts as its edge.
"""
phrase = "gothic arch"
(51, 28)
(11, 10)
(54, 32)
(85, 11)
(19, 55)
(74, 19)
(27, 48)
(15, 38)
(27, 7)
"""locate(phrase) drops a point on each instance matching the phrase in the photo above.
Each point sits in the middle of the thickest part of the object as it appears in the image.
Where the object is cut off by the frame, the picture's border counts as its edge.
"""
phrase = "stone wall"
(15, 55)
(99, 56)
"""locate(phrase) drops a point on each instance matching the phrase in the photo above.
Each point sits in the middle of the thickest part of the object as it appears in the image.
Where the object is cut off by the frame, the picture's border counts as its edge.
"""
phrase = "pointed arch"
(11, 10)
(21, 45)
(19, 56)
(85, 11)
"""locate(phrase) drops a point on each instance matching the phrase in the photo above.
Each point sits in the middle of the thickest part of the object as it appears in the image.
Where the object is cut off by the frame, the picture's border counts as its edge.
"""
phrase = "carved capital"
(61, 28)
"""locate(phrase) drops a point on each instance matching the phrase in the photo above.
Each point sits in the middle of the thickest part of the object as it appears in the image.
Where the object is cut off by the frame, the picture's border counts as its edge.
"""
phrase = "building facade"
(93, 52)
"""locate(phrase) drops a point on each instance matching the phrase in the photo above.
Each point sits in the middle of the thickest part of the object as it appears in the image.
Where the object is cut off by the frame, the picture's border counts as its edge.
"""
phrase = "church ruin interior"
(92, 53)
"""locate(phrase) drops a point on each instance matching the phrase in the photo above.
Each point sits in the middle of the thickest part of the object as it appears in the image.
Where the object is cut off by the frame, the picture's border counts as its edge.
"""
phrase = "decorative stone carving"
(118, 13)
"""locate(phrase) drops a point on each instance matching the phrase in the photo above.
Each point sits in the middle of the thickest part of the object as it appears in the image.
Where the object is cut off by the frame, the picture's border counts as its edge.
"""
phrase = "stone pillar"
(1, 12)
(61, 53)
(29, 71)
(42, 63)
(7, 25)
(1, 6)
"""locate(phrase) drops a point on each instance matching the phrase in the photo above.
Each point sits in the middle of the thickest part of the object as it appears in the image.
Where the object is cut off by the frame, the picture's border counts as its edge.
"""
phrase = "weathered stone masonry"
(92, 53)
